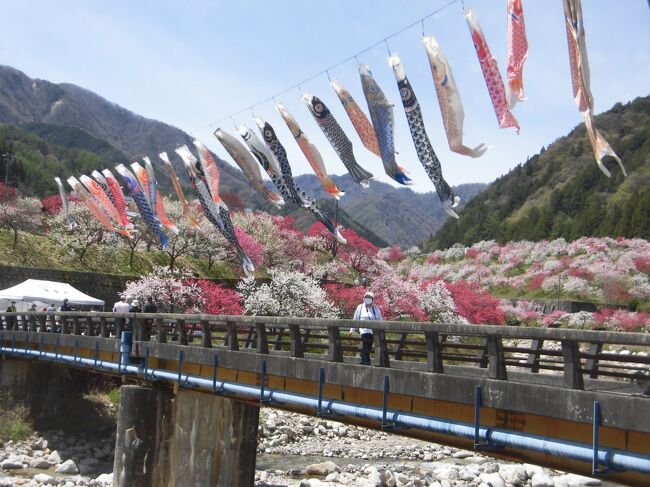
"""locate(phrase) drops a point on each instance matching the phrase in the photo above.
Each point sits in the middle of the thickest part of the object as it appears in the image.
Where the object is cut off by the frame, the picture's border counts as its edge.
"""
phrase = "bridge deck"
(532, 380)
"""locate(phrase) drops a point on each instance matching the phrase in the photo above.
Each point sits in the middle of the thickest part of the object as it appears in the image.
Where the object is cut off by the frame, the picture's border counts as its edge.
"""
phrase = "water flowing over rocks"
(293, 451)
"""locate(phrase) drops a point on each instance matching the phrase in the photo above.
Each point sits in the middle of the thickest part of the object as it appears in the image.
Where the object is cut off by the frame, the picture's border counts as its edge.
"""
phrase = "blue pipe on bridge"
(611, 458)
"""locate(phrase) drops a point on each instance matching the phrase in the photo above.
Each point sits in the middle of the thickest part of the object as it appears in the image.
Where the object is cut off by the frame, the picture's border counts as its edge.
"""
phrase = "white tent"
(48, 292)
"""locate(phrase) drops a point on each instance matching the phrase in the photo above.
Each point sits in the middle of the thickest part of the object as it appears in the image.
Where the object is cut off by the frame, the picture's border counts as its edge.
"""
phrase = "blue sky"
(192, 63)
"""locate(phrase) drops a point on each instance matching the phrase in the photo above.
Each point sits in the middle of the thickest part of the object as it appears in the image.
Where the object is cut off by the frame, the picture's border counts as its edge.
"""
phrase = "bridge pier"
(190, 438)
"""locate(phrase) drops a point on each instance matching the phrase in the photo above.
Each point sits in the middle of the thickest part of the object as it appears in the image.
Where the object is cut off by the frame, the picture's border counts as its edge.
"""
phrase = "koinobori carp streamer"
(312, 154)
(210, 170)
(451, 106)
(152, 189)
(145, 176)
(383, 121)
(64, 203)
(147, 213)
(187, 211)
(249, 167)
(359, 120)
(335, 135)
(101, 199)
(580, 80)
(90, 203)
(266, 160)
(217, 214)
(423, 147)
(279, 152)
(517, 52)
(491, 73)
(118, 195)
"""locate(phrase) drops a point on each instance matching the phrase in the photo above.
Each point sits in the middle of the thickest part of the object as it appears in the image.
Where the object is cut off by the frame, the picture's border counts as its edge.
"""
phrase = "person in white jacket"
(366, 311)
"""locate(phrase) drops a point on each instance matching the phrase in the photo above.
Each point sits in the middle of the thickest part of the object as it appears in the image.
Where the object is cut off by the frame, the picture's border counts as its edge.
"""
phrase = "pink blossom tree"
(170, 291)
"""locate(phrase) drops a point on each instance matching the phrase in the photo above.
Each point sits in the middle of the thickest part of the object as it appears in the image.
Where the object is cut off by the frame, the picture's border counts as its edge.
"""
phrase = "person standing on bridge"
(366, 311)
(11, 320)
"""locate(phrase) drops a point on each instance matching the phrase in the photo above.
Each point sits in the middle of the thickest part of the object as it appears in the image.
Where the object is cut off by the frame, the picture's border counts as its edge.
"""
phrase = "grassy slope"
(41, 251)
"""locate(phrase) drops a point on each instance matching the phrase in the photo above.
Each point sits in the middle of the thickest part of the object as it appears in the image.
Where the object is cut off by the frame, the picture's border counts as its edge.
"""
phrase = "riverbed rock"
(54, 457)
(39, 463)
(11, 464)
(43, 478)
(463, 454)
(104, 479)
(322, 469)
(67, 467)
(541, 480)
(373, 477)
(493, 479)
(388, 479)
(312, 483)
(38, 444)
(514, 475)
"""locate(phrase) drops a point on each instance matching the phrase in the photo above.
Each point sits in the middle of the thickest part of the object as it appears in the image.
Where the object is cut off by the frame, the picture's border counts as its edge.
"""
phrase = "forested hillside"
(562, 193)
(37, 160)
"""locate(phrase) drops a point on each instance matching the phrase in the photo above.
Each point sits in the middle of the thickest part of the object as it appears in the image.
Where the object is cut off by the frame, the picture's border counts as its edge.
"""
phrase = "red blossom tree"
(475, 304)
(52, 204)
(252, 247)
(395, 254)
(536, 282)
(358, 253)
(433, 259)
(220, 300)
(346, 298)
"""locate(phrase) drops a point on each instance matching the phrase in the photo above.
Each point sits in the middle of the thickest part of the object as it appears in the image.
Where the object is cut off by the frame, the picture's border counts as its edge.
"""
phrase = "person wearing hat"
(366, 311)
(11, 320)
(135, 307)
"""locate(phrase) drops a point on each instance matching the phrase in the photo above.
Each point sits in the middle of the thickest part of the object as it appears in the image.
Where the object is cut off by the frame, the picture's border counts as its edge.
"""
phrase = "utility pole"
(8, 157)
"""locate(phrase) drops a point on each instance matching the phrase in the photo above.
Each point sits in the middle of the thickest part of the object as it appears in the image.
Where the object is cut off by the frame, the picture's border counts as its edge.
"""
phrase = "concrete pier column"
(143, 434)
(214, 441)
(191, 438)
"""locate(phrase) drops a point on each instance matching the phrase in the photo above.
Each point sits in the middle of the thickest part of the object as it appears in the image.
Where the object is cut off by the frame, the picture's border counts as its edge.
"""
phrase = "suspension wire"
(326, 71)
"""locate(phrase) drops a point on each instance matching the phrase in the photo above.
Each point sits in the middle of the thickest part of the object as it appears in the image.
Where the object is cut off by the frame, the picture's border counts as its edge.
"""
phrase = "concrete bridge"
(193, 385)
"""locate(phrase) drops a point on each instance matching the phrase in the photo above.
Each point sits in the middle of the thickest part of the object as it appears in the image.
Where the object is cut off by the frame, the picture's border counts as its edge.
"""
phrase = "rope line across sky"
(325, 72)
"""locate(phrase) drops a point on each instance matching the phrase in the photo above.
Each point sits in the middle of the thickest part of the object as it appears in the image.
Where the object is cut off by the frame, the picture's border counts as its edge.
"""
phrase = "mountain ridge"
(560, 192)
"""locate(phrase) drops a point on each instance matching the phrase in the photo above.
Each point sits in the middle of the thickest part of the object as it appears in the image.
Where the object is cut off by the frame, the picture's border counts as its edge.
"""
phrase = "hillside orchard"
(310, 275)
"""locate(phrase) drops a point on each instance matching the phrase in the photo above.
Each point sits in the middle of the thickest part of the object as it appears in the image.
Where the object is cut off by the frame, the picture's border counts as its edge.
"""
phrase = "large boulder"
(322, 469)
(67, 467)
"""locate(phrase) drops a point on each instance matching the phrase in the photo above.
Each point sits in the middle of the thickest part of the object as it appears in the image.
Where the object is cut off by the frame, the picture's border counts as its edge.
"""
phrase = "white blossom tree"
(86, 233)
(290, 293)
(188, 240)
(439, 304)
(20, 214)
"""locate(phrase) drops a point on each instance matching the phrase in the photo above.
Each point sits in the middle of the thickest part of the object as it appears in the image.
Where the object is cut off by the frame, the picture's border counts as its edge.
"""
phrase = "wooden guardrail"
(433, 347)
